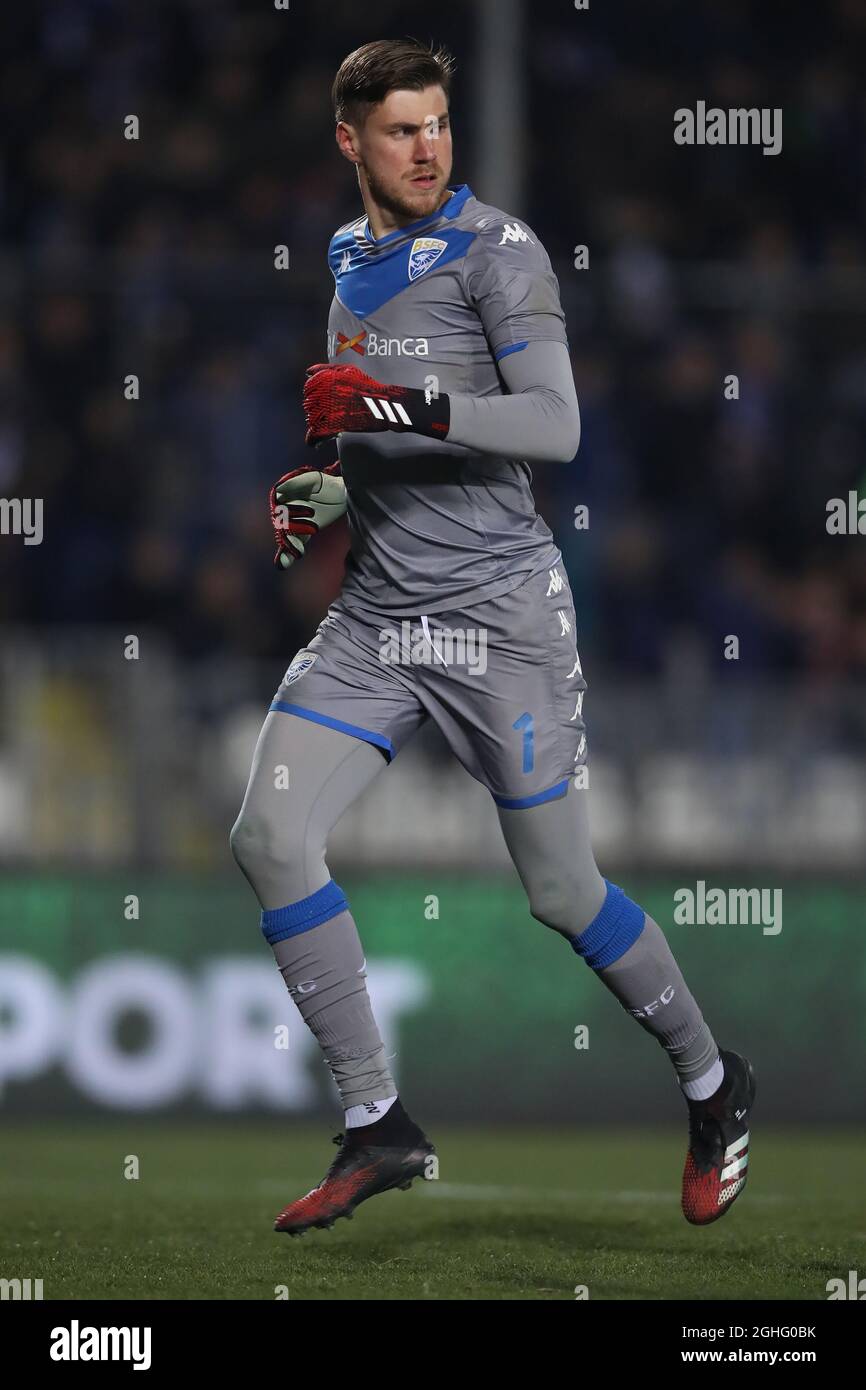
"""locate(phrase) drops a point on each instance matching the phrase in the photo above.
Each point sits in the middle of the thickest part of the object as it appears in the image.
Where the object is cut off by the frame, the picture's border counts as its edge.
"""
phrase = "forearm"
(538, 421)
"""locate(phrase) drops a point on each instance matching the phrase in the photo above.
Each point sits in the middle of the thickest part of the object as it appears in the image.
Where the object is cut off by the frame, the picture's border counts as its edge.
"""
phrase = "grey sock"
(325, 972)
(649, 984)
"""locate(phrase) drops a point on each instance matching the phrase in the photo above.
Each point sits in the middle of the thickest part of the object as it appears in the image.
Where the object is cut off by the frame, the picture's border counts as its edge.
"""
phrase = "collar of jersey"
(459, 193)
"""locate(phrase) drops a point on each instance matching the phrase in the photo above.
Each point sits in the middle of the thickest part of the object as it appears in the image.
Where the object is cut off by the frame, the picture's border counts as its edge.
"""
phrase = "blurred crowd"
(154, 257)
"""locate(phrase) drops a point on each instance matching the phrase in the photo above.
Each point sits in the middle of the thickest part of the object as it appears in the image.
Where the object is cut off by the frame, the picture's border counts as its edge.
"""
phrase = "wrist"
(416, 411)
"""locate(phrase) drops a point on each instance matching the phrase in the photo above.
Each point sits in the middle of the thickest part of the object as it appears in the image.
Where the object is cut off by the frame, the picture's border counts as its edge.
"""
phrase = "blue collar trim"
(459, 193)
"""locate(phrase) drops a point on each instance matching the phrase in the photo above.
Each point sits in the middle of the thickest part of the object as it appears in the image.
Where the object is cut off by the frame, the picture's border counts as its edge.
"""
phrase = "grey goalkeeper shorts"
(501, 679)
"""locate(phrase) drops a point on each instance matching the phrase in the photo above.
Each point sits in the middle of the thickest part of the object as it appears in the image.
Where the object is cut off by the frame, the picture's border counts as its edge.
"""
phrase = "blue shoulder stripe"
(515, 347)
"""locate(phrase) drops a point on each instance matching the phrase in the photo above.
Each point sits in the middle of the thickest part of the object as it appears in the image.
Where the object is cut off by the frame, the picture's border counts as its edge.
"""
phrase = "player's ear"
(347, 141)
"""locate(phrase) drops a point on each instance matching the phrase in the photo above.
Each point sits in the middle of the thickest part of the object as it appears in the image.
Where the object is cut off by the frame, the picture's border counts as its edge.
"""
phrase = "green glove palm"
(302, 503)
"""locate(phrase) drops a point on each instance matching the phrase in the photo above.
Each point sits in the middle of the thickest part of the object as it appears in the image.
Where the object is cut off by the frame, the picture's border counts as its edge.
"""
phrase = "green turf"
(514, 1215)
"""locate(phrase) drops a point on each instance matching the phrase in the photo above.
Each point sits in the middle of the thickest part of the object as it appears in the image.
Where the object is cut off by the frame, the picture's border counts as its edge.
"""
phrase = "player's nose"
(425, 148)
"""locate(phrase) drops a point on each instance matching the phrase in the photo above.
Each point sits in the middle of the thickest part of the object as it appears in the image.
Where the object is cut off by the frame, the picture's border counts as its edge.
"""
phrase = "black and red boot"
(717, 1162)
(371, 1159)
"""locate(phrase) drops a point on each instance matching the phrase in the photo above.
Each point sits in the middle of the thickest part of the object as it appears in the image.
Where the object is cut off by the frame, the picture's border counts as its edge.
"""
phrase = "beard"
(414, 204)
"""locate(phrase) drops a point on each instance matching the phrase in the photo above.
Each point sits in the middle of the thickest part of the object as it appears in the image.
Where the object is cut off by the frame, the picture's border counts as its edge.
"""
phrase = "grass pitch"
(515, 1214)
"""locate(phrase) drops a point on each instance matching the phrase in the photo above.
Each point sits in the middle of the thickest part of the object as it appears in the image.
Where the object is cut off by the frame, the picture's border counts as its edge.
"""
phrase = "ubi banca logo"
(376, 345)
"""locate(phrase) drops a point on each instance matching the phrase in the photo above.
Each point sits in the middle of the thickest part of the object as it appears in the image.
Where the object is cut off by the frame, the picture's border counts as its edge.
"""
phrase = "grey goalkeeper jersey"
(460, 302)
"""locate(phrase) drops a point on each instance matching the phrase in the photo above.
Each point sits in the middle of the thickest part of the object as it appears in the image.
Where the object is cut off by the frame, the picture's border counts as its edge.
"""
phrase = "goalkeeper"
(448, 373)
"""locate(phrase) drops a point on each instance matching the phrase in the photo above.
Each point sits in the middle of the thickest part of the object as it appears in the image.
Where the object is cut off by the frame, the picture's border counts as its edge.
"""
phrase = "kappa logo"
(344, 263)
(300, 666)
(514, 232)
(425, 252)
(556, 582)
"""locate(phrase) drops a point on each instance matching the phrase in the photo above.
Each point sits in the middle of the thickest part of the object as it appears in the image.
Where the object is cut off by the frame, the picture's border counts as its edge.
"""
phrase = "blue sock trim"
(278, 923)
(519, 803)
(283, 707)
(616, 926)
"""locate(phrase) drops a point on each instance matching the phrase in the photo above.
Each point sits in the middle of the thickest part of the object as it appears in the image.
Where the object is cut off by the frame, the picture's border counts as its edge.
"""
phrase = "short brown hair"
(387, 65)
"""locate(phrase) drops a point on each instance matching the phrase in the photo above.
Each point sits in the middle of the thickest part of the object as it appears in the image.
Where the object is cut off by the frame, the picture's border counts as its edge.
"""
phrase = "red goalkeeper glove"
(302, 503)
(338, 399)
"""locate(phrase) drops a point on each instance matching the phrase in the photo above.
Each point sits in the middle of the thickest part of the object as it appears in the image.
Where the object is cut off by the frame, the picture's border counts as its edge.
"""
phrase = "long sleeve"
(539, 420)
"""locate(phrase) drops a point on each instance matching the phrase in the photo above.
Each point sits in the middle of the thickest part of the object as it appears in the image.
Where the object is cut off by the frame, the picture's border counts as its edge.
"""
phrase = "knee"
(255, 845)
(242, 840)
(566, 906)
(550, 905)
